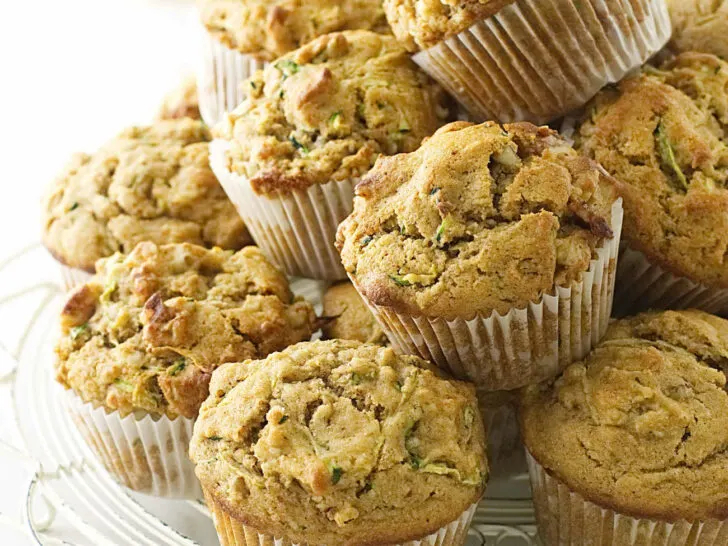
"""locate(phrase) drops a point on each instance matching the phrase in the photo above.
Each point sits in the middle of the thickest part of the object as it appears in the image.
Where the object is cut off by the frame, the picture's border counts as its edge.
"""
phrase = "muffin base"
(643, 285)
(221, 74)
(141, 453)
(232, 532)
(296, 229)
(502, 429)
(72, 277)
(536, 60)
(524, 346)
(566, 518)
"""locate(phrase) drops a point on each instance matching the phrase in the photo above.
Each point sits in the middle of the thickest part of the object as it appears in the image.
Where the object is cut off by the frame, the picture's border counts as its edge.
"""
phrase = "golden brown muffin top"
(181, 102)
(663, 136)
(480, 218)
(148, 330)
(641, 425)
(268, 29)
(149, 183)
(328, 110)
(699, 25)
(350, 318)
(420, 24)
(329, 433)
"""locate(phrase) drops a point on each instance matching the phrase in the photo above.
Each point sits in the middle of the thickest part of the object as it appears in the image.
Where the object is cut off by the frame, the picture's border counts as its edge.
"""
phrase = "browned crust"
(270, 181)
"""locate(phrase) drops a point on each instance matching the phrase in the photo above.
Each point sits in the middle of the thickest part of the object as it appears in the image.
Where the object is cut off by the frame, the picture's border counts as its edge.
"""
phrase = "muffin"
(528, 60)
(149, 183)
(490, 251)
(338, 442)
(662, 134)
(498, 410)
(140, 340)
(699, 25)
(349, 317)
(243, 36)
(628, 447)
(316, 120)
(181, 102)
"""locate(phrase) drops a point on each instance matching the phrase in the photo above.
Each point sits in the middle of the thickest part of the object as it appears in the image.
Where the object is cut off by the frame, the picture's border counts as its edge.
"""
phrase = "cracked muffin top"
(350, 318)
(481, 218)
(268, 29)
(641, 425)
(664, 136)
(328, 110)
(149, 183)
(148, 330)
(181, 102)
(338, 442)
(699, 25)
(420, 24)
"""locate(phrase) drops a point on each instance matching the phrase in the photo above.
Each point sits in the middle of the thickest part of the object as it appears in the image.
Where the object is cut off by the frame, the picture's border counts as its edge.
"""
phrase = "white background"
(72, 74)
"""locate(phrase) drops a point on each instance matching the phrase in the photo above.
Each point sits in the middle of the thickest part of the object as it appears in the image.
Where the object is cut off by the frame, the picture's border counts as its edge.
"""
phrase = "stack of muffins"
(474, 267)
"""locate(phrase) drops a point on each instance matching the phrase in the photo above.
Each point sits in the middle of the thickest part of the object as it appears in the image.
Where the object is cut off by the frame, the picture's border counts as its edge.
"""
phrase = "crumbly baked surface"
(327, 110)
(181, 102)
(269, 29)
(148, 330)
(338, 442)
(480, 218)
(641, 425)
(350, 316)
(149, 183)
(664, 137)
(424, 23)
(699, 25)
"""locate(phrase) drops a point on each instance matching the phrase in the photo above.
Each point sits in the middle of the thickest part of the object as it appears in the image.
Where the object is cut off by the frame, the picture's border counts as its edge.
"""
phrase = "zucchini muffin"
(338, 442)
(699, 25)
(315, 122)
(150, 183)
(487, 224)
(242, 36)
(529, 60)
(140, 340)
(181, 102)
(349, 316)
(663, 136)
(630, 446)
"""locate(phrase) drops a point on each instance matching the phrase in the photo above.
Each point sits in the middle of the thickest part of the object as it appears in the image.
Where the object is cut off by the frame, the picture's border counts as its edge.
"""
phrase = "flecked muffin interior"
(148, 330)
(149, 183)
(328, 110)
(336, 442)
(641, 425)
(268, 29)
(349, 317)
(481, 218)
(664, 137)
(699, 25)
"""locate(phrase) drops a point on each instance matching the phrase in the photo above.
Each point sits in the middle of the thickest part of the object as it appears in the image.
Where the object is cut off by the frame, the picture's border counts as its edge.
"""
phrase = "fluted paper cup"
(221, 77)
(524, 346)
(643, 285)
(297, 228)
(232, 532)
(500, 417)
(566, 518)
(72, 277)
(145, 454)
(536, 60)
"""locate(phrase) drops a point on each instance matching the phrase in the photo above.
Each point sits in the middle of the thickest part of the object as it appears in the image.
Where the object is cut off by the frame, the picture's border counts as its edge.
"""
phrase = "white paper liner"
(525, 346)
(501, 428)
(72, 277)
(565, 517)
(141, 453)
(221, 77)
(296, 229)
(234, 533)
(536, 60)
(643, 285)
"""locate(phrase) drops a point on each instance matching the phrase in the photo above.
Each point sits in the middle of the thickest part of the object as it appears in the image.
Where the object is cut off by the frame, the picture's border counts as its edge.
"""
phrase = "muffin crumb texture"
(663, 136)
(349, 316)
(641, 425)
(326, 111)
(336, 442)
(150, 183)
(481, 218)
(148, 330)
(699, 25)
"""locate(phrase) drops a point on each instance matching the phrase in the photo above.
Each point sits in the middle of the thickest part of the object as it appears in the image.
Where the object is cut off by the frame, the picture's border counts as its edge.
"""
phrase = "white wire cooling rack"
(69, 498)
